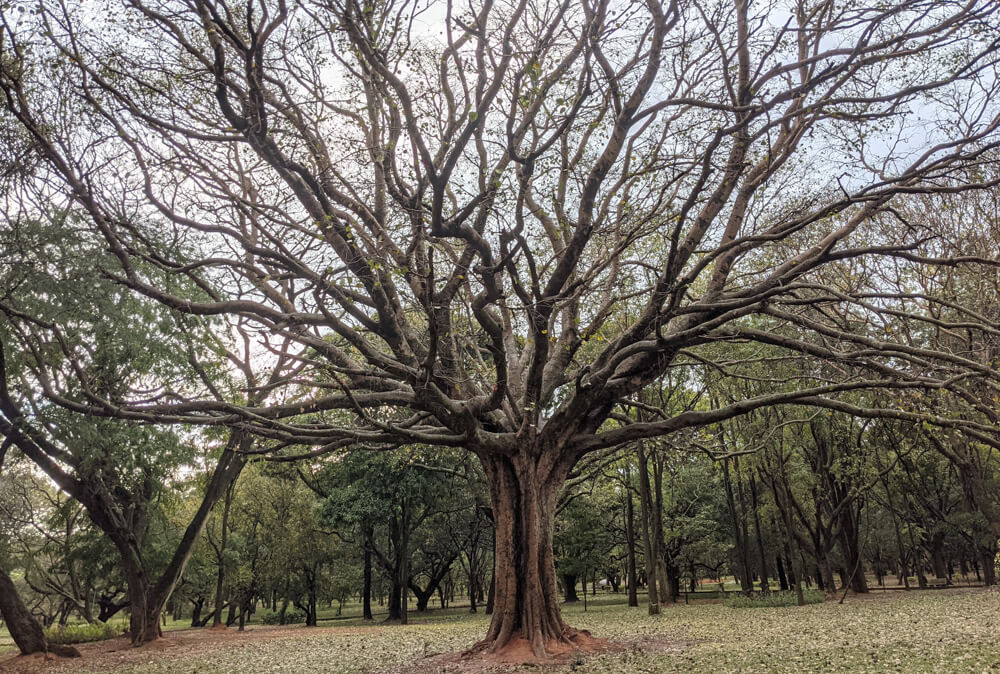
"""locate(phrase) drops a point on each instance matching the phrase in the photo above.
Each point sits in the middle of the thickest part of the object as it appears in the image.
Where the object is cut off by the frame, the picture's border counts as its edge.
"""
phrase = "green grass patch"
(773, 599)
(81, 633)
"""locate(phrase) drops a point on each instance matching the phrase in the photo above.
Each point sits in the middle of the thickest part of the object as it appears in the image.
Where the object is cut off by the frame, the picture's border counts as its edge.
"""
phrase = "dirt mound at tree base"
(518, 653)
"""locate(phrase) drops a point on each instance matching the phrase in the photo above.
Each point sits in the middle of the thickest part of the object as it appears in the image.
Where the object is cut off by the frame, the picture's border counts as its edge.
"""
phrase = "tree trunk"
(782, 578)
(311, 608)
(366, 591)
(645, 515)
(109, 608)
(395, 602)
(988, 556)
(492, 592)
(196, 612)
(739, 532)
(826, 569)
(23, 628)
(144, 603)
(404, 564)
(220, 579)
(526, 604)
(665, 585)
(423, 598)
(633, 596)
(764, 587)
(569, 583)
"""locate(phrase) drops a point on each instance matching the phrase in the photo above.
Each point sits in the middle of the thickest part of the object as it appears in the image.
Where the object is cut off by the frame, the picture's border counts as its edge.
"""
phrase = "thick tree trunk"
(569, 585)
(23, 628)
(988, 556)
(423, 597)
(395, 602)
(144, 603)
(523, 490)
(826, 569)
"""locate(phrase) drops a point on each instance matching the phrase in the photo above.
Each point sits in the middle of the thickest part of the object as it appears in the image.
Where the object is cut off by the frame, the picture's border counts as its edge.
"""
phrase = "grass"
(901, 632)
(81, 633)
(773, 599)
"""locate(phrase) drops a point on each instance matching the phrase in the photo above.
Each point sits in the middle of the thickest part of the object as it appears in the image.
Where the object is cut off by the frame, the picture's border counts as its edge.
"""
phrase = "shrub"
(80, 633)
(274, 617)
(773, 599)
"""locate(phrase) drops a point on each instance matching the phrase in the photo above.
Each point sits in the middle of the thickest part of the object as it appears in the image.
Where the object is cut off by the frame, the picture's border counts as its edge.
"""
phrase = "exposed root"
(63, 651)
(518, 650)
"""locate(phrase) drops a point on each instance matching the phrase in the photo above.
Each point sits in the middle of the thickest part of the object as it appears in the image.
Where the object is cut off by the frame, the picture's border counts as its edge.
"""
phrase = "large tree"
(487, 227)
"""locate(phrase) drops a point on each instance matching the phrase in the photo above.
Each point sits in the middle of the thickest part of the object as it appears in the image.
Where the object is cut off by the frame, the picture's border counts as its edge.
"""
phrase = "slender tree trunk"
(764, 587)
(665, 585)
(739, 531)
(366, 590)
(633, 596)
(220, 579)
(782, 578)
(404, 565)
(492, 592)
(645, 506)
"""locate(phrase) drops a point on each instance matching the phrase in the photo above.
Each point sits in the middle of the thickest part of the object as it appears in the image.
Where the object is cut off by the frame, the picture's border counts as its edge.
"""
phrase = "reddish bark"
(526, 615)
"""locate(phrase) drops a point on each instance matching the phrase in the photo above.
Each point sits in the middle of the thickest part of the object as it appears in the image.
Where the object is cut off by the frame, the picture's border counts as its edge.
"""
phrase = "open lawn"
(929, 631)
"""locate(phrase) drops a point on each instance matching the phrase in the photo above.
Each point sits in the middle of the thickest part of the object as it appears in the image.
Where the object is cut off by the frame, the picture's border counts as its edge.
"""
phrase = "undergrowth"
(773, 599)
(80, 633)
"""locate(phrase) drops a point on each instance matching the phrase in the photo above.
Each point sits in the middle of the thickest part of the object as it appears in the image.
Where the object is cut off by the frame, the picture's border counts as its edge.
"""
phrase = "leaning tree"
(489, 226)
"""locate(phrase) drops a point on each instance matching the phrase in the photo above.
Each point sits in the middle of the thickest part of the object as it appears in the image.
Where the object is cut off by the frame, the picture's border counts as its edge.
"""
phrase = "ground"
(928, 631)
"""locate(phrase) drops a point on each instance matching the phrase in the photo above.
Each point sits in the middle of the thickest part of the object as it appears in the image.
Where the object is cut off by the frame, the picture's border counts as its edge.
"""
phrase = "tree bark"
(569, 584)
(366, 591)
(739, 532)
(220, 580)
(395, 601)
(782, 578)
(987, 557)
(633, 595)
(664, 585)
(492, 592)
(523, 490)
(645, 506)
(764, 586)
